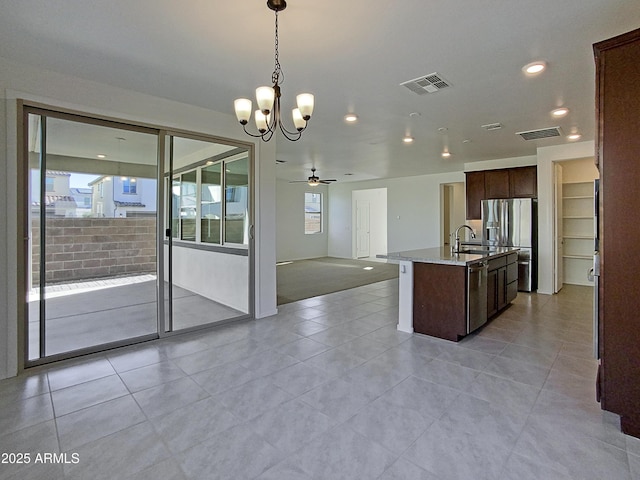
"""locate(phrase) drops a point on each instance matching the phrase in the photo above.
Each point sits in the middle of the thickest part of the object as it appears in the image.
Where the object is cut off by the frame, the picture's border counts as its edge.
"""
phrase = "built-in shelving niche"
(578, 228)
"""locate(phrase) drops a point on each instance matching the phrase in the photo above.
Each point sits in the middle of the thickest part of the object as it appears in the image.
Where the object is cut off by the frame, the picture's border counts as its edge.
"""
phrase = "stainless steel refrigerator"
(513, 223)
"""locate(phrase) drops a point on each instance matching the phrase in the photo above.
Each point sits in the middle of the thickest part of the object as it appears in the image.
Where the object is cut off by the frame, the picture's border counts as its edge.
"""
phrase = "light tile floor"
(329, 389)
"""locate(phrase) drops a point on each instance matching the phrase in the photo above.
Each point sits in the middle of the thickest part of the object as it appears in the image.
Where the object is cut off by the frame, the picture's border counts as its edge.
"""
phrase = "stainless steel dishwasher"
(476, 295)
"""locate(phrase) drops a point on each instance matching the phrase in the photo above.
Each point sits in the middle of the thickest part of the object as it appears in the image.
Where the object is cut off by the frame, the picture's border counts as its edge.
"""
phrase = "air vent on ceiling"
(427, 84)
(541, 133)
(492, 126)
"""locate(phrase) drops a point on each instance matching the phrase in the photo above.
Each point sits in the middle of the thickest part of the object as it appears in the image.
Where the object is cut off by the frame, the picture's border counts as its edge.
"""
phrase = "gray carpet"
(318, 276)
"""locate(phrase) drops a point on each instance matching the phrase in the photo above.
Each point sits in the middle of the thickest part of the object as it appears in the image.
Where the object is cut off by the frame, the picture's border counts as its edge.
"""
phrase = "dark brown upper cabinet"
(517, 182)
(496, 184)
(523, 182)
(475, 194)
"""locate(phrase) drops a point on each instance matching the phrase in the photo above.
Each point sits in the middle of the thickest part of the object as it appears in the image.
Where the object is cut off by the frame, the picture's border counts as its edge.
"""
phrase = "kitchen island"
(449, 295)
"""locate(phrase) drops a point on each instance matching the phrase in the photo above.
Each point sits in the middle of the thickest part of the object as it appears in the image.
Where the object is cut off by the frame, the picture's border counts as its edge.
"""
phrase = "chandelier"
(267, 116)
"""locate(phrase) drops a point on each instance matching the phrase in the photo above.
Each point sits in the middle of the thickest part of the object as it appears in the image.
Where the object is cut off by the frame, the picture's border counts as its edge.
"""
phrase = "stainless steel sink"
(475, 251)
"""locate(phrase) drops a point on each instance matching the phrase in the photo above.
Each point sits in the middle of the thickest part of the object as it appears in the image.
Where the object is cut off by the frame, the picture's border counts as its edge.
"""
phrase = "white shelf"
(579, 257)
(579, 197)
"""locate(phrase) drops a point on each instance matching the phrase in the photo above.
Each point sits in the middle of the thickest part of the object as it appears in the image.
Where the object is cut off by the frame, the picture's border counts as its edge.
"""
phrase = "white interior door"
(559, 236)
(363, 228)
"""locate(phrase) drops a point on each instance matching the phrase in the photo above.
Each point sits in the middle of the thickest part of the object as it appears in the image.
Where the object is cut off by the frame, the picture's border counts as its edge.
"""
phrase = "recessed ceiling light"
(351, 118)
(574, 136)
(407, 139)
(534, 68)
(446, 154)
(560, 112)
(466, 140)
(414, 114)
(101, 155)
(443, 130)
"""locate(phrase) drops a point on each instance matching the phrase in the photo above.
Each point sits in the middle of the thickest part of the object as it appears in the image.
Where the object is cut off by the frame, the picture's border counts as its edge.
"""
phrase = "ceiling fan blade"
(327, 181)
(299, 181)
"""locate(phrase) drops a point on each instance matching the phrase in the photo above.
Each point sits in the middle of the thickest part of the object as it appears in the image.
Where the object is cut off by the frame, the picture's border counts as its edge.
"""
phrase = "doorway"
(369, 214)
(452, 213)
(94, 220)
(574, 225)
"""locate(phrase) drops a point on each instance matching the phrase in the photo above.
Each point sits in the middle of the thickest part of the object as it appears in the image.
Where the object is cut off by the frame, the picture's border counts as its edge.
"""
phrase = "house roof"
(129, 204)
(57, 200)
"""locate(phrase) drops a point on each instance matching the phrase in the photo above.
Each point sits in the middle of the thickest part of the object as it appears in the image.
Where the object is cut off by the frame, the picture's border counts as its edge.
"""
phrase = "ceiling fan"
(314, 181)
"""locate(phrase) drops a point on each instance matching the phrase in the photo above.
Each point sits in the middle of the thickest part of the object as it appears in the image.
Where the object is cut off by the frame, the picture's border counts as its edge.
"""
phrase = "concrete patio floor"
(87, 314)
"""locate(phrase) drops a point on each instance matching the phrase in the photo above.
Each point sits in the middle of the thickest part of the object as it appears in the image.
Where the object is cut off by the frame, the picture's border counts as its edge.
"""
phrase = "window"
(210, 204)
(49, 184)
(129, 186)
(312, 213)
(236, 216)
(188, 204)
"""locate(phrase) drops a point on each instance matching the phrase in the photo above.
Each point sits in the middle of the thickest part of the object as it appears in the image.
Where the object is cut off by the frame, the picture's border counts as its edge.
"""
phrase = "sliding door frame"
(24, 108)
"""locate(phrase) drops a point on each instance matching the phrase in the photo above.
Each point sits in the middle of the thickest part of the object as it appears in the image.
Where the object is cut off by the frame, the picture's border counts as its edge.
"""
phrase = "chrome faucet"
(456, 247)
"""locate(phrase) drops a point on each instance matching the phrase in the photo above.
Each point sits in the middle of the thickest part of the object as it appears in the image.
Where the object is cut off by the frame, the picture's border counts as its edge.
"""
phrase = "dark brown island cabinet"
(516, 182)
(440, 295)
(618, 160)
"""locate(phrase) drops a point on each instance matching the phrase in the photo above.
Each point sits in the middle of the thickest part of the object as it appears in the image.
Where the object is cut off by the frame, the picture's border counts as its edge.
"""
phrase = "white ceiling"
(352, 55)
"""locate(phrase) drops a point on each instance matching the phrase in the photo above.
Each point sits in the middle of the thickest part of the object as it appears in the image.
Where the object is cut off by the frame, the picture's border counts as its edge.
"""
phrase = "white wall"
(199, 271)
(291, 241)
(62, 91)
(413, 212)
(501, 163)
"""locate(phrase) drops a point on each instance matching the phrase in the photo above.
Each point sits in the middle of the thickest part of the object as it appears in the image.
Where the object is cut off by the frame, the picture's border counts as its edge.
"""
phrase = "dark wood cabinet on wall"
(475, 193)
(518, 182)
(618, 159)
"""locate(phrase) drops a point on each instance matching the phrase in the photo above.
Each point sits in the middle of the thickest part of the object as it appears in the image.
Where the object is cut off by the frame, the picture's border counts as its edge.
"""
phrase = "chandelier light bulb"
(243, 108)
(261, 121)
(298, 121)
(305, 105)
(265, 97)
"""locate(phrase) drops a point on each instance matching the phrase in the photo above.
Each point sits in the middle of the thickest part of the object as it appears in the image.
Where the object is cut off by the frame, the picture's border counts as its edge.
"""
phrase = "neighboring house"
(113, 196)
(58, 198)
(82, 197)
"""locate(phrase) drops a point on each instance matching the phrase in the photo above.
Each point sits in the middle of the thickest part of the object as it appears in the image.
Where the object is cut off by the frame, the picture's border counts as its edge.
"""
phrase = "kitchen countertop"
(443, 255)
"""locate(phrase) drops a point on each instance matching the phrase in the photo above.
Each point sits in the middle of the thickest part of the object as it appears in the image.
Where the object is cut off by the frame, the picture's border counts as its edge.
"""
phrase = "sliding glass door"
(95, 219)
(92, 234)
(208, 244)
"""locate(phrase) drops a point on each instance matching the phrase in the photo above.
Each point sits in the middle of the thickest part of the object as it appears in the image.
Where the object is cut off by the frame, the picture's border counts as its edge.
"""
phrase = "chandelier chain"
(277, 69)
